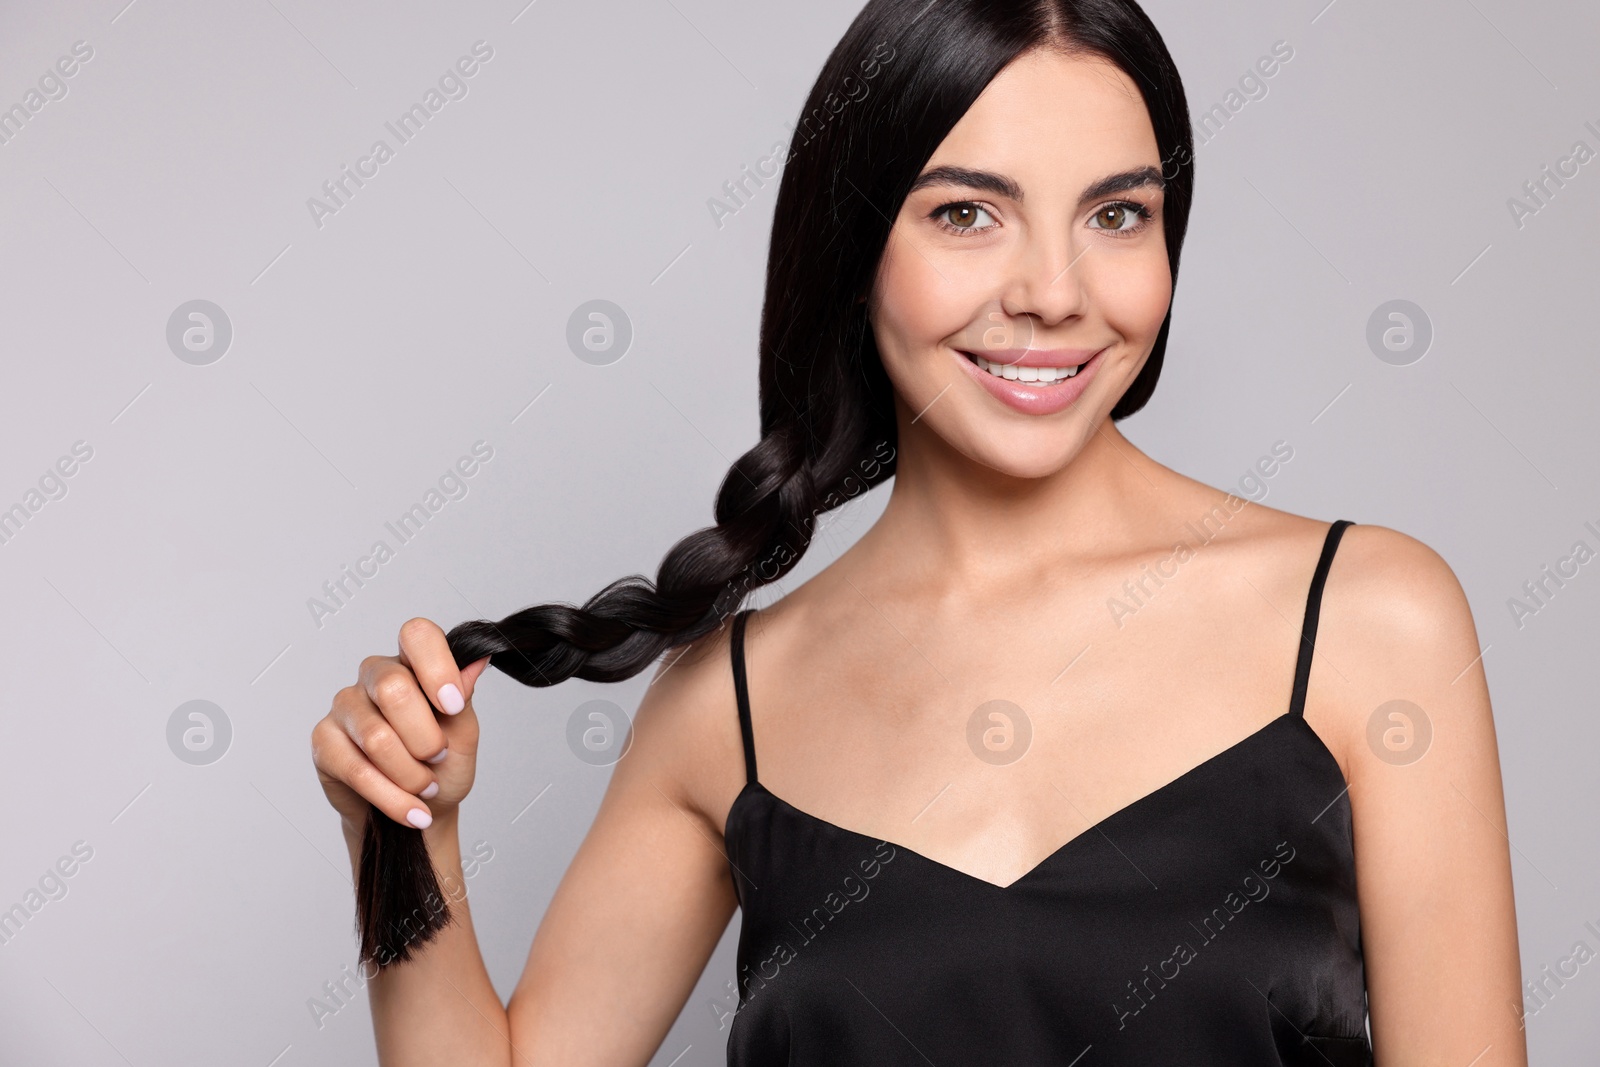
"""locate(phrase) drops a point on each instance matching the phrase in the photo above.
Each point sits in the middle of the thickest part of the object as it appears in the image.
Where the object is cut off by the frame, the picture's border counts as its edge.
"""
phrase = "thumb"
(469, 677)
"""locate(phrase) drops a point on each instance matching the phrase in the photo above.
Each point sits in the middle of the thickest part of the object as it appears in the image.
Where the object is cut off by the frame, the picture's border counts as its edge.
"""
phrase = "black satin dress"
(1212, 923)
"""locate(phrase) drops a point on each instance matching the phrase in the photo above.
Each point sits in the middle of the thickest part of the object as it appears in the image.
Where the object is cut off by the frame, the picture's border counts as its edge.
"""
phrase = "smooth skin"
(991, 574)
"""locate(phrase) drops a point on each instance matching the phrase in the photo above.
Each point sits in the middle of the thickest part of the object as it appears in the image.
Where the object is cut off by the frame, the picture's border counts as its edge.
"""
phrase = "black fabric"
(1212, 922)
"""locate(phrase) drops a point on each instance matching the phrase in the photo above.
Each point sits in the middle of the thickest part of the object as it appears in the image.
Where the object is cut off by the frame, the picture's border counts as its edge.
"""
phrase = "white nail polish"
(430, 792)
(450, 699)
(440, 757)
(419, 818)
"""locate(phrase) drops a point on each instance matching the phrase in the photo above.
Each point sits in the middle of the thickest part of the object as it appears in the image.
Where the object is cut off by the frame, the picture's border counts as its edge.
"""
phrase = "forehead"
(1047, 115)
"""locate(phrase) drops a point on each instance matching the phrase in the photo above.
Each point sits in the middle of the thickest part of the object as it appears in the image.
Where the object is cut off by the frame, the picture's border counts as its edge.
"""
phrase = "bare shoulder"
(1396, 632)
(686, 740)
(1394, 625)
(1389, 592)
(1383, 586)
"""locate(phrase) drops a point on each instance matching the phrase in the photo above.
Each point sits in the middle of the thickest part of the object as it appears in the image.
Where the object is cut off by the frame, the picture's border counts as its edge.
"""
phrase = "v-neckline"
(1125, 811)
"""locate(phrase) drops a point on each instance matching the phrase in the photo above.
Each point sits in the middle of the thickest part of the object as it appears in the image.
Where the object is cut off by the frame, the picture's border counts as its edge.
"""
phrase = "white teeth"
(1011, 372)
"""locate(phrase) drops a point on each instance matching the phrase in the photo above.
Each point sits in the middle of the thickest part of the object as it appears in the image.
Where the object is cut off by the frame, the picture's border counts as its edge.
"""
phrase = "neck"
(951, 517)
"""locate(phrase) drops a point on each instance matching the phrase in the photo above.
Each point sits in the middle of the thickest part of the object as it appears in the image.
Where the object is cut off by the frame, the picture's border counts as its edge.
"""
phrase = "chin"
(1039, 452)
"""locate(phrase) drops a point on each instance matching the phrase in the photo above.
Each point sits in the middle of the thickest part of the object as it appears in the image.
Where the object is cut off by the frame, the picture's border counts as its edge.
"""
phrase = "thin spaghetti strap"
(1308, 631)
(741, 690)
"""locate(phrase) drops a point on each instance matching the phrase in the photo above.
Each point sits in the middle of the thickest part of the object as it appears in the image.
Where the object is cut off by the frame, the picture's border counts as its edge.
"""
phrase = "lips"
(1036, 396)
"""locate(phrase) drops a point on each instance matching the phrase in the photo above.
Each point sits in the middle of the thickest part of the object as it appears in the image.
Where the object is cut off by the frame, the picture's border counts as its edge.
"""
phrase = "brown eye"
(963, 215)
(1121, 217)
(964, 218)
(1112, 216)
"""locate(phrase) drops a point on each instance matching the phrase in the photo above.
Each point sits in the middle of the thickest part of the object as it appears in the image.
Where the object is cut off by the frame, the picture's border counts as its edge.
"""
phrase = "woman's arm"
(440, 1007)
(649, 893)
(1433, 861)
(633, 921)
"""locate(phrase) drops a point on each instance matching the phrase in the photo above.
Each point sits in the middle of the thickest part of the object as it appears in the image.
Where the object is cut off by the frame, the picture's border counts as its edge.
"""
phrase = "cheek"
(1136, 299)
(914, 307)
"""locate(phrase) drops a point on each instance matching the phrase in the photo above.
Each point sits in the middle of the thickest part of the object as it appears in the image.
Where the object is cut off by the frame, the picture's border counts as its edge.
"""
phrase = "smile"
(1034, 381)
(1038, 376)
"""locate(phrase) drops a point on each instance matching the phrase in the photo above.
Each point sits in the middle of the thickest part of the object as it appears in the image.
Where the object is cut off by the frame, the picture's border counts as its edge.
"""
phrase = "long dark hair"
(901, 77)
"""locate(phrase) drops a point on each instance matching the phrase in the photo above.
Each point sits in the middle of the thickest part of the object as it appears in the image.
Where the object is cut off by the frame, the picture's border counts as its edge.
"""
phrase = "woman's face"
(1033, 241)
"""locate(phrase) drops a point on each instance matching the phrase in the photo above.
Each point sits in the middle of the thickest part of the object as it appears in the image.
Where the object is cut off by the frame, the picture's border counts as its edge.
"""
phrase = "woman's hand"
(404, 738)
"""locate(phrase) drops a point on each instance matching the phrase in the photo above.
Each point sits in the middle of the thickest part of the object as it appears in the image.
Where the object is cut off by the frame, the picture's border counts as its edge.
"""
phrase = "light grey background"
(430, 312)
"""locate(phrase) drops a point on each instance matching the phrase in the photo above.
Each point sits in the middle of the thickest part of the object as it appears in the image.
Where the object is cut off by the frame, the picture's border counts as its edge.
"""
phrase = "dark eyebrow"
(973, 179)
(1128, 180)
(1137, 178)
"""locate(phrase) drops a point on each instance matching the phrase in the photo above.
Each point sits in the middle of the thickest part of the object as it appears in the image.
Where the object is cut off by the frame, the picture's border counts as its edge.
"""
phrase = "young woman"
(1070, 758)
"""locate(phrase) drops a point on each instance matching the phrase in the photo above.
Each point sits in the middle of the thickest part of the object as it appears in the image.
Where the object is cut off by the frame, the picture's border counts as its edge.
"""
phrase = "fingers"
(423, 648)
(339, 757)
(392, 689)
(372, 731)
(382, 734)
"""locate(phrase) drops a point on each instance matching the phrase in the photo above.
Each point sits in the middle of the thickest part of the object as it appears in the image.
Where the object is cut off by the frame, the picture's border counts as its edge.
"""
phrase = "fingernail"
(440, 757)
(419, 818)
(450, 699)
(430, 792)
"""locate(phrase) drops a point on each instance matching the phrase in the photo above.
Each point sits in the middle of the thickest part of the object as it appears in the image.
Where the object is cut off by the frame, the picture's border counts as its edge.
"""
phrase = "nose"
(1046, 279)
